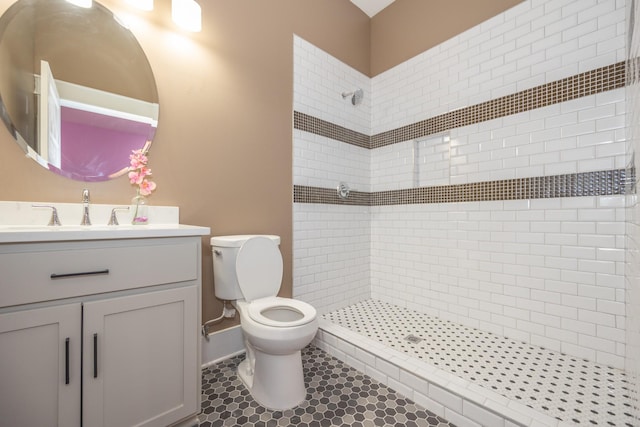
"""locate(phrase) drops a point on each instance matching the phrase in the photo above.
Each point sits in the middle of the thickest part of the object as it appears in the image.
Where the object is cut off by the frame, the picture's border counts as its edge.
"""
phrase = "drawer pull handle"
(66, 361)
(95, 355)
(84, 273)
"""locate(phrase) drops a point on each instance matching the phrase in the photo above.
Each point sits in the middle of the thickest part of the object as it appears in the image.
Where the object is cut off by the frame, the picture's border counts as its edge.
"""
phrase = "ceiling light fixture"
(82, 3)
(187, 14)
(142, 4)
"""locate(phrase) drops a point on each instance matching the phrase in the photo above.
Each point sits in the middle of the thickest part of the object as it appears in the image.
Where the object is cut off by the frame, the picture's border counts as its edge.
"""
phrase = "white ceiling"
(371, 7)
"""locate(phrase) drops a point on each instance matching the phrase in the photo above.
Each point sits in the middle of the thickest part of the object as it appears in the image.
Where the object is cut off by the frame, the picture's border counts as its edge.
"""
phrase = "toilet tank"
(224, 250)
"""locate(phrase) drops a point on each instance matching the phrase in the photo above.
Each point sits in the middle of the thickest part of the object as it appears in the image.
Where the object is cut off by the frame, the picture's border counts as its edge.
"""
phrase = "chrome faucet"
(85, 208)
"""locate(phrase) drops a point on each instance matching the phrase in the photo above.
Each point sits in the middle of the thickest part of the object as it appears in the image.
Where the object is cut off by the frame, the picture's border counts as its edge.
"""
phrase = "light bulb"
(187, 14)
(82, 3)
(142, 4)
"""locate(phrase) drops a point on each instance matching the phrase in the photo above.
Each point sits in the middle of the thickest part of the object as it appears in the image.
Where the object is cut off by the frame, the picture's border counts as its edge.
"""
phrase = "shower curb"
(449, 396)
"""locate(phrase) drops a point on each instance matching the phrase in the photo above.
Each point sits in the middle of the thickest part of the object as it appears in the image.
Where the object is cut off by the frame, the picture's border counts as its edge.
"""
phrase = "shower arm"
(356, 96)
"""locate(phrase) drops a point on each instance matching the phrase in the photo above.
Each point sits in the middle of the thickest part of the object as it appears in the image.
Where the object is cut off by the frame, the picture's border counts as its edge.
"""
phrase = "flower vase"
(140, 209)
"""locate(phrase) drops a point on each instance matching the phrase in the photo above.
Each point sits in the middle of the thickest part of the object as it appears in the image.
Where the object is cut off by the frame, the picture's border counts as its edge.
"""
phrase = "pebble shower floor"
(337, 395)
(567, 388)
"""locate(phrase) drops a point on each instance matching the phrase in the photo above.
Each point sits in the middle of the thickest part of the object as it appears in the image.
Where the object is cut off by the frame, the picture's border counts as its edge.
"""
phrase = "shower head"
(356, 96)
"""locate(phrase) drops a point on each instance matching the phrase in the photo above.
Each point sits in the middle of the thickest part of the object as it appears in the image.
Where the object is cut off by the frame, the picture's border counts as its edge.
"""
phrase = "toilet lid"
(259, 268)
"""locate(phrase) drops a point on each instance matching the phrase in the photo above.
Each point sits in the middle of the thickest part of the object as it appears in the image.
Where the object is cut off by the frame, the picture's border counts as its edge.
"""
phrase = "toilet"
(247, 271)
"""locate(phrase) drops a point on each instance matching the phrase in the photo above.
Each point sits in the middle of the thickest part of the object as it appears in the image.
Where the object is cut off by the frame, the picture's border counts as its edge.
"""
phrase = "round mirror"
(76, 89)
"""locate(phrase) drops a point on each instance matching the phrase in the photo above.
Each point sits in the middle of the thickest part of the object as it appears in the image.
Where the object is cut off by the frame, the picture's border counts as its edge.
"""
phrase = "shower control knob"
(343, 190)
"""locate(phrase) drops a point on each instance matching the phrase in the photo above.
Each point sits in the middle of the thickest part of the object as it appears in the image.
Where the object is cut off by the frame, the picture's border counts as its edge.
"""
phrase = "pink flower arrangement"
(138, 173)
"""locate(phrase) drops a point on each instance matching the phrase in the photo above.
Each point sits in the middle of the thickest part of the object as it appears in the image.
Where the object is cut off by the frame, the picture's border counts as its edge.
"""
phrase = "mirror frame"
(87, 49)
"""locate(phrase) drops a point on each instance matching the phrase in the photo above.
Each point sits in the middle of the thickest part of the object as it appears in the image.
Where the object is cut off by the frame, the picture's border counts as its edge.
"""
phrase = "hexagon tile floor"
(338, 395)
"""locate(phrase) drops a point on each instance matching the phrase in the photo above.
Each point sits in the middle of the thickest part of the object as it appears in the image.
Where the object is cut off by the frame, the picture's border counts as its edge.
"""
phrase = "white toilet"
(247, 270)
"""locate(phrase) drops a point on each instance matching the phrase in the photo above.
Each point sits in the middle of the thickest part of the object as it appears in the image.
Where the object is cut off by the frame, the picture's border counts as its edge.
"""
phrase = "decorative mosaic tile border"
(327, 129)
(304, 194)
(583, 84)
(601, 183)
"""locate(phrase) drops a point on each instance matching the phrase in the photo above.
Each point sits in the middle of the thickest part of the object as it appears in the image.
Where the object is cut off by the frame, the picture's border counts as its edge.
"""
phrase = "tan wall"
(409, 27)
(223, 150)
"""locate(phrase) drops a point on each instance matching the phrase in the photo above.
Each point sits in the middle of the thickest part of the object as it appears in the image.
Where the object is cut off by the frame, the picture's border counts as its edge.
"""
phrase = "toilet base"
(276, 381)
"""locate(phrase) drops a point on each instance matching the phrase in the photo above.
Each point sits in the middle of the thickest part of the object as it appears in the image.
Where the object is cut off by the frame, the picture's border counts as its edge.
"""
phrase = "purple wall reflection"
(96, 147)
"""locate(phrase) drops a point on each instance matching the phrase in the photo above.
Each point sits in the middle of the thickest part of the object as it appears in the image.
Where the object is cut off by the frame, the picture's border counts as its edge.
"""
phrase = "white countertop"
(33, 233)
(20, 222)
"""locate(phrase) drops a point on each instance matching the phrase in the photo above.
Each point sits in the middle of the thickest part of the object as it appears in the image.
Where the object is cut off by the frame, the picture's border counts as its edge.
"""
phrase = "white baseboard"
(222, 345)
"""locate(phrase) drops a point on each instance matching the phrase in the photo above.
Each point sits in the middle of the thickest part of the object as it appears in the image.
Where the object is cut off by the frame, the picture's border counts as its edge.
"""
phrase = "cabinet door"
(140, 361)
(40, 367)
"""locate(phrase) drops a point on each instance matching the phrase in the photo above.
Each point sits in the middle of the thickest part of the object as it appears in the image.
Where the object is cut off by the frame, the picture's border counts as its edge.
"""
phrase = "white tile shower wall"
(583, 135)
(414, 163)
(546, 271)
(535, 42)
(319, 82)
(632, 261)
(324, 162)
(331, 255)
(331, 243)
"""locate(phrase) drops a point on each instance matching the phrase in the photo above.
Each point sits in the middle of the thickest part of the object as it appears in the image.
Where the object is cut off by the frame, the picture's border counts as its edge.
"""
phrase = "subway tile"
(426, 402)
(580, 302)
(598, 292)
(610, 307)
(608, 359)
(561, 335)
(459, 420)
(579, 327)
(595, 266)
(481, 415)
(445, 398)
(596, 317)
(388, 369)
(598, 344)
(561, 310)
(539, 320)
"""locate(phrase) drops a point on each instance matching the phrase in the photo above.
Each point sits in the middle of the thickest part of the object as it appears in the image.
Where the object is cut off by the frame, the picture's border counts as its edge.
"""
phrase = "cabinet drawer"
(44, 272)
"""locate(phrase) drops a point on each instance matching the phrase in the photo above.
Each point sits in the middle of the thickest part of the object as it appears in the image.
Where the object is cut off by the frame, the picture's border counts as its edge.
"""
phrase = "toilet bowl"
(248, 272)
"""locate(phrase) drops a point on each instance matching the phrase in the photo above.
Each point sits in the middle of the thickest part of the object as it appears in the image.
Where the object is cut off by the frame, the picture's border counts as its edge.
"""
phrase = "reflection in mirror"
(76, 90)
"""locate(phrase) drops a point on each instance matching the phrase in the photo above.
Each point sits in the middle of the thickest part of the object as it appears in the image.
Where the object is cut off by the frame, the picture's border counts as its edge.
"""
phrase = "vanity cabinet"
(139, 359)
(40, 366)
(100, 333)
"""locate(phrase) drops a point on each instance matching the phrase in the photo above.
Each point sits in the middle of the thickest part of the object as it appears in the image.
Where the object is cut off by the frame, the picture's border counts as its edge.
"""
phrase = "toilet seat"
(281, 312)
(259, 272)
(259, 268)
